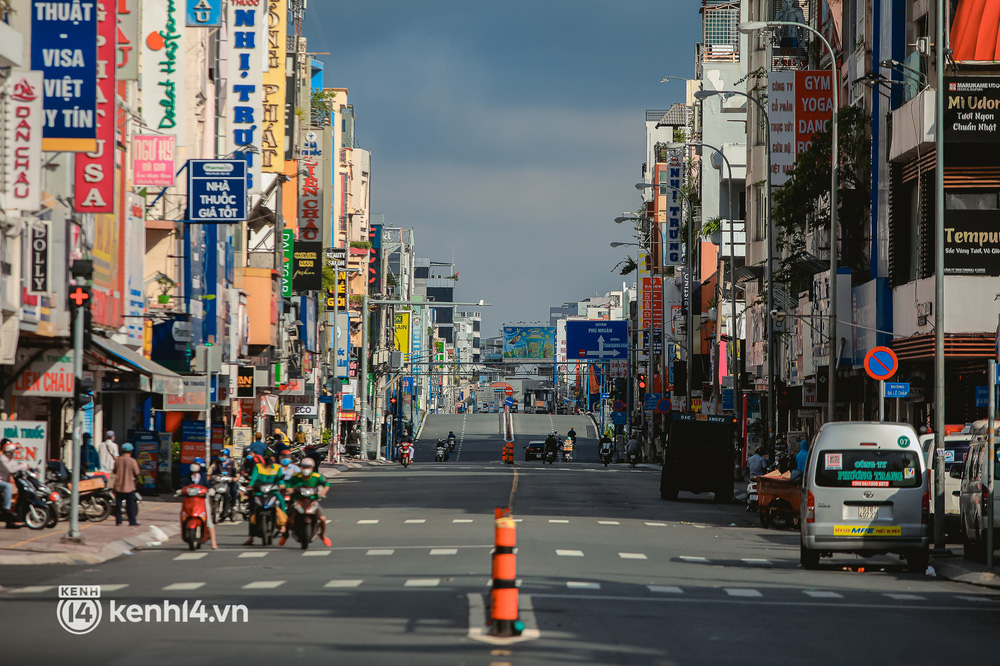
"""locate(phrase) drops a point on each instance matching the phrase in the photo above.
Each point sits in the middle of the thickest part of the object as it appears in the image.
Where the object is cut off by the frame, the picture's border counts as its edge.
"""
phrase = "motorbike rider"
(757, 463)
(406, 449)
(226, 466)
(199, 477)
(8, 467)
(606, 446)
(442, 449)
(551, 444)
(264, 473)
(288, 468)
(572, 435)
(567, 447)
(632, 446)
(308, 477)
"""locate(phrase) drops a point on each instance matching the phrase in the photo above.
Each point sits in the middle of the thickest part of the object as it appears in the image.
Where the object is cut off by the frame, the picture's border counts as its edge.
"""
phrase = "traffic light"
(83, 390)
(642, 381)
(80, 298)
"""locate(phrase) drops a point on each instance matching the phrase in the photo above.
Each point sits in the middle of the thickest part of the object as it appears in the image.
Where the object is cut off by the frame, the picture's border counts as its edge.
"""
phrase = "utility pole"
(80, 297)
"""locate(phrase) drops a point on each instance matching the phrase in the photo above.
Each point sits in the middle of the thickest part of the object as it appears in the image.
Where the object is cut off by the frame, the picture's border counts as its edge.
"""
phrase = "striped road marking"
(823, 594)
(422, 582)
(569, 553)
(344, 582)
(742, 592)
(380, 551)
(632, 556)
(263, 585)
(665, 589)
(257, 553)
(190, 556)
(580, 585)
(444, 551)
(182, 586)
(33, 589)
(693, 558)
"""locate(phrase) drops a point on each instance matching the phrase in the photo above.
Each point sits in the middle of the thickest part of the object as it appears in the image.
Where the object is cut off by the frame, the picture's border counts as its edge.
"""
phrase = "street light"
(748, 27)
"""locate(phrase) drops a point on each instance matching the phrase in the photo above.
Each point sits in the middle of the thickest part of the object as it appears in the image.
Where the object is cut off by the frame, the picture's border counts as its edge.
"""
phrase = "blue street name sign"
(982, 398)
(897, 389)
(728, 399)
(596, 340)
(651, 400)
(619, 418)
(217, 191)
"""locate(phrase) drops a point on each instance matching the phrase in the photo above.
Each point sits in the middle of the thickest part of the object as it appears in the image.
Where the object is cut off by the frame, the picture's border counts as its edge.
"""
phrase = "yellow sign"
(341, 302)
(402, 334)
(867, 530)
(272, 154)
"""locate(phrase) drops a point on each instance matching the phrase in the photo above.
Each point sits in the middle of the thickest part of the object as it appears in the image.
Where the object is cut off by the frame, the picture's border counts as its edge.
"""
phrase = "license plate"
(753, 497)
(867, 512)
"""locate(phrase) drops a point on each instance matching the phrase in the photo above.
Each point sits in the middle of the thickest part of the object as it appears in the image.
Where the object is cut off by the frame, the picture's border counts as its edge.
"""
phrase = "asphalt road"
(610, 574)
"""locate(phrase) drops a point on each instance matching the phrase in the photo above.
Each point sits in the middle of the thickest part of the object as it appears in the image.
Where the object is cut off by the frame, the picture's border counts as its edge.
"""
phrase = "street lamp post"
(747, 27)
(638, 287)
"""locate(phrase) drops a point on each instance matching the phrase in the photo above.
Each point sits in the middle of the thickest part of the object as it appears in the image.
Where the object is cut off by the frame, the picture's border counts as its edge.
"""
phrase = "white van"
(975, 492)
(865, 491)
(956, 448)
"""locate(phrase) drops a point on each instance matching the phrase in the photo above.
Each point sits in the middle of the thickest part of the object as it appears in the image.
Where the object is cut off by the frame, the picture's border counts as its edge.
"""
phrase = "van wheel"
(808, 558)
(916, 560)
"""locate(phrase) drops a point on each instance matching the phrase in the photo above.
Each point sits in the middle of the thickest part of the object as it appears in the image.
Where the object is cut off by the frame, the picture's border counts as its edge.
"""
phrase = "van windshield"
(855, 468)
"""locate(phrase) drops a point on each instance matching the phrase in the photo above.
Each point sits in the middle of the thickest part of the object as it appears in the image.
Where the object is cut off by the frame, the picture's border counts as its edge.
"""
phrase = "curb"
(108, 552)
(960, 574)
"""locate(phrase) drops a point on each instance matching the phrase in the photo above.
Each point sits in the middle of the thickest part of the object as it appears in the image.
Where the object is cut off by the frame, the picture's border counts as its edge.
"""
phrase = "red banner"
(95, 182)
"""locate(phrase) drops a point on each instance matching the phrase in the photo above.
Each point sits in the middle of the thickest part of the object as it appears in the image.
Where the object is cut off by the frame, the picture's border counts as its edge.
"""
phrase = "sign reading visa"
(217, 190)
(64, 48)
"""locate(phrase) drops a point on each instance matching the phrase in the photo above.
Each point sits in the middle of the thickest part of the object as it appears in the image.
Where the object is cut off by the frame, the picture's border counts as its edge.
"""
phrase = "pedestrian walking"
(124, 481)
(108, 451)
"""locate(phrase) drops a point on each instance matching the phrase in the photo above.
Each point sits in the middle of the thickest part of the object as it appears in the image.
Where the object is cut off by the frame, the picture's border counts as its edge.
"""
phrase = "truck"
(699, 456)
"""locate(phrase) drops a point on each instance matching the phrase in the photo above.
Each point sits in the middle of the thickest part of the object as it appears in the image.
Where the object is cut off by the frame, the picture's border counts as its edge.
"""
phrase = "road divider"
(504, 620)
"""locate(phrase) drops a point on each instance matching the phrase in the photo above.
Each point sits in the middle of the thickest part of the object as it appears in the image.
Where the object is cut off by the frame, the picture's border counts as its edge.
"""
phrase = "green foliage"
(364, 245)
(626, 266)
(712, 226)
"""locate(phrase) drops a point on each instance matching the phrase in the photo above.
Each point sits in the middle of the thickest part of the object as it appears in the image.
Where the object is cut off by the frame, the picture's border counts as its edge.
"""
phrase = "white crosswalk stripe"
(422, 582)
(368, 521)
(256, 553)
(742, 592)
(174, 587)
(380, 551)
(344, 582)
(444, 551)
(569, 553)
(113, 588)
(315, 553)
(823, 594)
(190, 556)
(581, 585)
(558, 520)
(462, 520)
(657, 524)
(608, 522)
(414, 521)
(972, 598)
(665, 589)
(264, 585)
(632, 556)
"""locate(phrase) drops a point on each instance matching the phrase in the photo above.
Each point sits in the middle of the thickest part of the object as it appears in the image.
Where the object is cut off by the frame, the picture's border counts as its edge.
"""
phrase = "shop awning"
(162, 379)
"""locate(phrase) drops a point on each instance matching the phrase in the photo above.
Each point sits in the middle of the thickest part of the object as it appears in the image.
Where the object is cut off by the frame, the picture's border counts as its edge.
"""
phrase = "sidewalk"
(102, 541)
(957, 568)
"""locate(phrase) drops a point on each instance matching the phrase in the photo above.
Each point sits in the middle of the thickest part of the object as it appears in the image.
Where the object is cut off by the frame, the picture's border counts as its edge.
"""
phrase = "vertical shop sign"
(244, 101)
(799, 104)
(375, 259)
(64, 48)
(672, 176)
(287, 261)
(21, 180)
(94, 184)
(135, 256)
(204, 13)
(310, 187)
(152, 160)
(127, 61)
(38, 254)
(273, 135)
(163, 49)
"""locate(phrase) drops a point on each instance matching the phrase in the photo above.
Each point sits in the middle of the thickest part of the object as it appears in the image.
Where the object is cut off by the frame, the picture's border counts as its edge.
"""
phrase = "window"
(874, 468)
(972, 200)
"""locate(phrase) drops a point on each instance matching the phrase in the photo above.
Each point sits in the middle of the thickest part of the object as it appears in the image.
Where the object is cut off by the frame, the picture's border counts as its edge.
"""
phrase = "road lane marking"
(769, 603)
(581, 585)
(422, 582)
(190, 556)
(344, 583)
(254, 553)
(462, 520)
(823, 594)
(380, 551)
(632, 556)
(742, 592)
(657, 524)
(569, 553)
(665, 589)
(693, 558)
(315, 553)
(113, 588)
(756, 560)
(33, 589)
(444, 551)
(904, 597)
(368, 522)
(557, 520)
(971, 598)
(182, 586)
(415, 521)
(263, 585)
(608, 522)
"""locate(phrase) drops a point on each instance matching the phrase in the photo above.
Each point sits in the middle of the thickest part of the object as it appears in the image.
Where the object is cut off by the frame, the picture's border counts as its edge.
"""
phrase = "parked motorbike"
(96, 501)
(451, 443)
(305, 516)
(265, 512)
(752, 497)
(221, 502)
(442, 453)
(606, 456)
(36, 504)
(194, 514)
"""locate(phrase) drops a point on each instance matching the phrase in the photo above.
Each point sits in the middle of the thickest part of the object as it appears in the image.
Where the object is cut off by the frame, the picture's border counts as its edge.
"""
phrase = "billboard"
(153, 160)
(245, 84)
(272, 136)
(799, 104)
(521, 343)
(94, 184)
(401, 335)
(163, 48)
(311, 191)
(971, 109)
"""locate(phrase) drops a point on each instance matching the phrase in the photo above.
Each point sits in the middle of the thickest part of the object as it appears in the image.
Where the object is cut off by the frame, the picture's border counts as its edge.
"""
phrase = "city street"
(609, 574)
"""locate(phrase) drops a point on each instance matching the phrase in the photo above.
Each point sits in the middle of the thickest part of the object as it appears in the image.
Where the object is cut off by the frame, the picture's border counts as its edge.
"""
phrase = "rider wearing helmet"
(308, 477)
(266, 472)
(224, 465)
(551, 443)
(199, 476)
(8, 466)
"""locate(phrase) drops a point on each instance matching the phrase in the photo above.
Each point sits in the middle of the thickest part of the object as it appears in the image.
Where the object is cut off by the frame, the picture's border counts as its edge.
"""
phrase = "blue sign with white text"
(650, 401)
(217, 191)
(596, 340)
(204, 13)
(897, 389)
(64, 49)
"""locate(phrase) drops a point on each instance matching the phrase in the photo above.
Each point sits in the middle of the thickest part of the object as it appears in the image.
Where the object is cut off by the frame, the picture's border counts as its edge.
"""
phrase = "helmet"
(7, 445)
(226, 452)
(127, 447)
(286, 452)
(307, 462)
(200, 461)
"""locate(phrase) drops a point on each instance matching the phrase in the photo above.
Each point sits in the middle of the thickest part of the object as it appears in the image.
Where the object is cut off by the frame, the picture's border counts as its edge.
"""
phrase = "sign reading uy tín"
(217, 191)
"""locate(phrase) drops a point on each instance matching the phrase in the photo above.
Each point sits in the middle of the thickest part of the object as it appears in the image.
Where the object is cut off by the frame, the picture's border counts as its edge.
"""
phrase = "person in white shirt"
(8, 467)
(108, 451)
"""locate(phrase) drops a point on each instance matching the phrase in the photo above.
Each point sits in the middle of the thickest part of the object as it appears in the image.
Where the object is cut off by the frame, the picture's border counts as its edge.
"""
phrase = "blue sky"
(510, 134)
